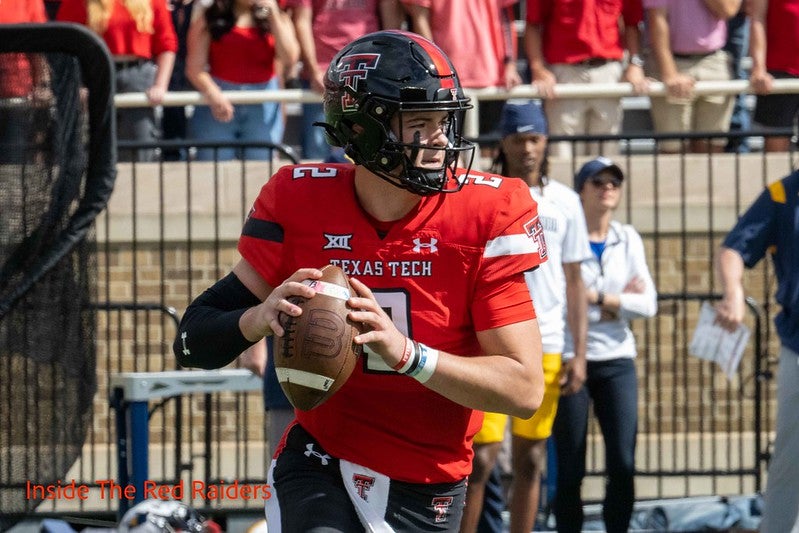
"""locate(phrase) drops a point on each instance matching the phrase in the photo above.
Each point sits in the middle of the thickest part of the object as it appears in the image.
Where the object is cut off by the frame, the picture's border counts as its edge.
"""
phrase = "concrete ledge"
(204, 201)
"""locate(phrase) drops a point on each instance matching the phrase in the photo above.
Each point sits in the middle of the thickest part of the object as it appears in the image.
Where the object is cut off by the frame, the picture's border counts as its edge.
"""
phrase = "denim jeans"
(738, 47)
(251, 122)
(493, 504)
(613, 387)
(312, 138)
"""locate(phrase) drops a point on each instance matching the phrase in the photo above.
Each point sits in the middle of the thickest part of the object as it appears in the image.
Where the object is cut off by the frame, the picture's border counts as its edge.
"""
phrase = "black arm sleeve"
(209, 335)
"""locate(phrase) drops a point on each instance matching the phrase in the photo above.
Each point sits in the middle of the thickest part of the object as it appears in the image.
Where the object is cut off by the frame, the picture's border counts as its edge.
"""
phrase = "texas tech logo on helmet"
(350, 69)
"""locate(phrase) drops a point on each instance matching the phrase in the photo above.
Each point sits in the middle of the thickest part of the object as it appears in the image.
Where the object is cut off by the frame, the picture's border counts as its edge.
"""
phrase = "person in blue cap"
(619, 288)
(558, 294)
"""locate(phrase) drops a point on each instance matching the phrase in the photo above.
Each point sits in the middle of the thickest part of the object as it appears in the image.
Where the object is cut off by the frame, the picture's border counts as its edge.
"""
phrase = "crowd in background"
(214, 46)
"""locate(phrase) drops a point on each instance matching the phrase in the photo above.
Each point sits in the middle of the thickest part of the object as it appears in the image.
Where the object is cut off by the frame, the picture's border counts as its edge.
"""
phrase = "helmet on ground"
(164, 516)
(380, 76)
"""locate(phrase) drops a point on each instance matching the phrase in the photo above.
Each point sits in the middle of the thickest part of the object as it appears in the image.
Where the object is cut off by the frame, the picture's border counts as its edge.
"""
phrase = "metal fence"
(170, 231)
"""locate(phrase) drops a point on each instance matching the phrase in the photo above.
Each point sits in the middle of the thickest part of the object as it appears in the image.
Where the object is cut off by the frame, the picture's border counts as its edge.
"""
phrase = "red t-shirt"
(576, 30)
(449, 268)
(122, 36)
(16, 72)
(782, 33)
(336, 24)
(243, 55)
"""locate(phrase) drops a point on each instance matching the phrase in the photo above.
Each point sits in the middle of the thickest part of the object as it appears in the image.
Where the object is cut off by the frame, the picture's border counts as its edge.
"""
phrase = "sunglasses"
(601, 180)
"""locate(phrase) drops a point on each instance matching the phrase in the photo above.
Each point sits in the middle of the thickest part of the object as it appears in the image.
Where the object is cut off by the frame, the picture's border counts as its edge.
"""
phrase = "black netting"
(56, 173)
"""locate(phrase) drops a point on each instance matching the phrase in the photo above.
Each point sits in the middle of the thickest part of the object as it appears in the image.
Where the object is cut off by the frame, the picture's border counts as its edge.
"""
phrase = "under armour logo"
(337, 242)
(310, 451)
(186, 350)
(419, 245)
(362, 484)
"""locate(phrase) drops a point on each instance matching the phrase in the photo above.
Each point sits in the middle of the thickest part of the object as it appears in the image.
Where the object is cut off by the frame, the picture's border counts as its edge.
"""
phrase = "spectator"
(579, 41)
(22, 76)
(619, 288)
(737, 46)
(445, 261)
(771, 225)
(479, 37)
(142, 40)
(233, 46)
(279, 412)
(687, 44)
(774, 40)
(558, 293)
(173, 121)
(321, 33)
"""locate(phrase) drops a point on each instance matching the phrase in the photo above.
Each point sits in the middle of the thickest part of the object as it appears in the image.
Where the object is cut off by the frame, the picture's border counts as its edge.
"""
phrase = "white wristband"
(428, 359)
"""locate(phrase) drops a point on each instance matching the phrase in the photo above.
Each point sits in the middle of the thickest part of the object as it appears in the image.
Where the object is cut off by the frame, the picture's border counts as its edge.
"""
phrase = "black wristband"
(600, 298)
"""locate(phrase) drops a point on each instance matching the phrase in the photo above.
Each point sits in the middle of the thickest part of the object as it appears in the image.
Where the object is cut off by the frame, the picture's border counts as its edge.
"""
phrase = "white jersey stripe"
(510, 245)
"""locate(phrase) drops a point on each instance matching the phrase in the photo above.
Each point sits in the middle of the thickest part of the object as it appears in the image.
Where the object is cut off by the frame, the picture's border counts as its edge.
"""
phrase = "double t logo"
(351, 69)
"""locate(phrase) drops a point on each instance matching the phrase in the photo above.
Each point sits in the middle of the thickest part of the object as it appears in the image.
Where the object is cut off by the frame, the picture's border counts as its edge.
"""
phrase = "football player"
(436, 255)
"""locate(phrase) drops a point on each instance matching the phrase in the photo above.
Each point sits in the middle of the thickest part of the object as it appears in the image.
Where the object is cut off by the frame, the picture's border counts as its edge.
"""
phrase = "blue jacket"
(771, 224)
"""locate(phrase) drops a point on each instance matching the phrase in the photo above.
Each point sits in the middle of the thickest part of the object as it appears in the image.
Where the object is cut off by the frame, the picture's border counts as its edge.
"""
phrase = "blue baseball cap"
(594, 167)
(522, 116)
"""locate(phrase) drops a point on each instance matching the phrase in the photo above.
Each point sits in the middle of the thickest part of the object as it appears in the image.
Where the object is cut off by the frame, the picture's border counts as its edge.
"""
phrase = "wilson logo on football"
(351, 69)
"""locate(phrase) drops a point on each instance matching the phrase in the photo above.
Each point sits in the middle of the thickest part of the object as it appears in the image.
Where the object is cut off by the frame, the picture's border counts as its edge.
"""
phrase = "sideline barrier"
(131, 393)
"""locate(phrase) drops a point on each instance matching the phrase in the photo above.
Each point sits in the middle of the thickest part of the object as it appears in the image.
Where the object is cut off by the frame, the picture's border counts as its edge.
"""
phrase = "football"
(316, 354)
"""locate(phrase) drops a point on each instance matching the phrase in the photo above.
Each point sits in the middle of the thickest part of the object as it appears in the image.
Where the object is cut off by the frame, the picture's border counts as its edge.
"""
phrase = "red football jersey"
(447, 269)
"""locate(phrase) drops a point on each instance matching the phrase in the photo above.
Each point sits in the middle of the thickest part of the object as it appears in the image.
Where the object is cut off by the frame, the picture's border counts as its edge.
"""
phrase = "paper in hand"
(714, 343)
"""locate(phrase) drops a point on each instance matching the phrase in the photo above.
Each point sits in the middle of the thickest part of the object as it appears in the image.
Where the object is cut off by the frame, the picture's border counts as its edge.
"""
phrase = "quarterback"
(436, 254)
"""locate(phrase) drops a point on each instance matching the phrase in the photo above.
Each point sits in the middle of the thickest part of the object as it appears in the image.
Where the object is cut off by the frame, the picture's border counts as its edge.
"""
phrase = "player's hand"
(381, 334)
(268, 312)
(572, 375)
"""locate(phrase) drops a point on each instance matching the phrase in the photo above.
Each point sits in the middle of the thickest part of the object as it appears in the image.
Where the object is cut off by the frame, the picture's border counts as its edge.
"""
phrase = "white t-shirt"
(561, 214)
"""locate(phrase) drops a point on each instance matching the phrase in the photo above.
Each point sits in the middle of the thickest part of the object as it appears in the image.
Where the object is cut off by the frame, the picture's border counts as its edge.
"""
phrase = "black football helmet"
(385, 74)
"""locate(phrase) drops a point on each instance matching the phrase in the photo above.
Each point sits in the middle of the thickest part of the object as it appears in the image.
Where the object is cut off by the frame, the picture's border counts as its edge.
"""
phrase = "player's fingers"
(305, 273)
(369, 318)
(276, 328)
(364, 304)
(361, 289)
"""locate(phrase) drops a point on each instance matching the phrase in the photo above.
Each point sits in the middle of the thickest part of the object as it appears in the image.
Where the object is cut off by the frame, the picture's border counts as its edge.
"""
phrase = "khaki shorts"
(584, 116)
(539, 426)
(704, 113)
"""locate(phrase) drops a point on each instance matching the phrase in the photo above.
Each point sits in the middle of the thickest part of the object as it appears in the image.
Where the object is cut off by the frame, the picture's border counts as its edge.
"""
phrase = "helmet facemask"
(398, 161)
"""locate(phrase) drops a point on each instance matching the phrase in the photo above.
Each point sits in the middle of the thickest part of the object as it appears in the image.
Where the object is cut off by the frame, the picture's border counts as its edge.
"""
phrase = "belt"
(699, 55)
(593, 62)
(129, 63)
